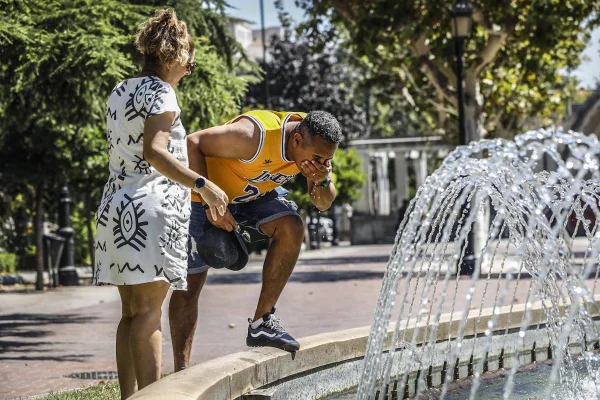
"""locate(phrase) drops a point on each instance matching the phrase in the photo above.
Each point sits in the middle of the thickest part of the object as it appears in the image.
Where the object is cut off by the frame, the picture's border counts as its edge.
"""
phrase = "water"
(529, 385)
(540, 189)
(532, 384)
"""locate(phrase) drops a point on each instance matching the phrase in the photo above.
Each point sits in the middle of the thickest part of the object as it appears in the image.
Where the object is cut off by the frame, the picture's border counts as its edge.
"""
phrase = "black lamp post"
(67, 275)
(264, 41)
(461, 29)
(461, 15)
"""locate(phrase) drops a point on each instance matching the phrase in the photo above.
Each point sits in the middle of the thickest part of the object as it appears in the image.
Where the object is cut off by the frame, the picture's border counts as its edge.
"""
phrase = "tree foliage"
(302, 81)
(515, 60)
(59, 59)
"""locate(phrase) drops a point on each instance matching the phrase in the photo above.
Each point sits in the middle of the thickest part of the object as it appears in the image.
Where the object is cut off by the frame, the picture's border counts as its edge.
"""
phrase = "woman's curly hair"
(164, 39)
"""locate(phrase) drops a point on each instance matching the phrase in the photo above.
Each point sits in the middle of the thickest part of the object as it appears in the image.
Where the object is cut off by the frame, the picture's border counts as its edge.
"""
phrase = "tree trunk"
(441, 111)
(473, 109)
(39, 238)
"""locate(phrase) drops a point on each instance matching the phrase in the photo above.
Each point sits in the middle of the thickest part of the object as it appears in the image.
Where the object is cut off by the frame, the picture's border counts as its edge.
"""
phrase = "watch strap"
(325, 183)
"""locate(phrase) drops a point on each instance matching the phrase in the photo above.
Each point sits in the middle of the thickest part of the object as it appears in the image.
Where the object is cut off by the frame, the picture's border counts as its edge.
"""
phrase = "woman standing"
(142, 221)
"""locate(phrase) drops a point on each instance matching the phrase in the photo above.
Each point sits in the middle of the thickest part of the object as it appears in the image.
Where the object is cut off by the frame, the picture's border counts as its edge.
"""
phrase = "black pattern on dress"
(109, 190)
(142, 101)
(123, 173)
(161, 272)
(129, 268)
(133, 140)
(111, 113)
(172, 203)
(120, 89)
(109, 143)
(128, 227)
(96, 273)
(141, 165)
(172, 237)
(102, 216)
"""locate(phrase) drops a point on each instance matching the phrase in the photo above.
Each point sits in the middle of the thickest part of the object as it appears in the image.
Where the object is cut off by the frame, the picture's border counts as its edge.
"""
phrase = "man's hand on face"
(226, 221)
(314, 171)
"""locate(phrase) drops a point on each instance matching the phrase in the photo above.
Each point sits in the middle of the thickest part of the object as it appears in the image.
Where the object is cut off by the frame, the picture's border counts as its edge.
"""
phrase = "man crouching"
(250, 158)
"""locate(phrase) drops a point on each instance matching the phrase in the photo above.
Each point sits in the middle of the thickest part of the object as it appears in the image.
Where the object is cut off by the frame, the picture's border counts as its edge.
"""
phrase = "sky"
(588, 72)
(250, 10)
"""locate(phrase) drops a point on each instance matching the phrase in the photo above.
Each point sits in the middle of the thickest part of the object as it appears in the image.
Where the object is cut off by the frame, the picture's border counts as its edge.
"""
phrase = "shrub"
(8, 263)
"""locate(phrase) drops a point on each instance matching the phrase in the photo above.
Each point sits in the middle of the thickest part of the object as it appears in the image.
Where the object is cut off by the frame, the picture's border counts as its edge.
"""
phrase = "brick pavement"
(46, 336)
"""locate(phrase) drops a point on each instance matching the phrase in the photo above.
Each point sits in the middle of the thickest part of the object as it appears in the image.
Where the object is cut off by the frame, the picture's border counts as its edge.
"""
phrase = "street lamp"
(264, 43)
(461, 15)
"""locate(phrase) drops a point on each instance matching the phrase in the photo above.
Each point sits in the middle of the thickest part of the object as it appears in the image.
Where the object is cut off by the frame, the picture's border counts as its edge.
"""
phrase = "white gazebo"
(386, 162)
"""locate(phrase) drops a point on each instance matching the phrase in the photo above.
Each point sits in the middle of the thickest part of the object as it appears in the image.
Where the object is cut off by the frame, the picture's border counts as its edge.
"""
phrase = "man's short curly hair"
(321, 123)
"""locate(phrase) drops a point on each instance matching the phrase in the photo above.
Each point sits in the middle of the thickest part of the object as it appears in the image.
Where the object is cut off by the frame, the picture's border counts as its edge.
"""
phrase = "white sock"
(256, 323)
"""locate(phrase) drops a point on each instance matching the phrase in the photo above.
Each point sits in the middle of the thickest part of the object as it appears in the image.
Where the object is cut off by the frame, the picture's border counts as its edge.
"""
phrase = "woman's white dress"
(142, 221)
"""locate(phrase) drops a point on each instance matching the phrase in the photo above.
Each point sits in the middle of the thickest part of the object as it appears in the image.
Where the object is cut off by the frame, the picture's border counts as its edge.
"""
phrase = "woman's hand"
(214, 198)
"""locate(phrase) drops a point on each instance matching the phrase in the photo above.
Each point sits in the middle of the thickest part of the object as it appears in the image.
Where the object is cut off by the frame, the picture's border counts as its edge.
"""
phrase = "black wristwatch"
(200, 183)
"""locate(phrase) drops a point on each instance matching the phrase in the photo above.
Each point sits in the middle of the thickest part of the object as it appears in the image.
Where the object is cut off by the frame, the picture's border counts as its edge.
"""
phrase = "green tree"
(58, 62)
(302, 81)
(515, 61)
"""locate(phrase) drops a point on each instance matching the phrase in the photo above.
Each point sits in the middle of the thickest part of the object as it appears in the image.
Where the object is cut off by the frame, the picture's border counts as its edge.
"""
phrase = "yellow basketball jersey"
(247, 180)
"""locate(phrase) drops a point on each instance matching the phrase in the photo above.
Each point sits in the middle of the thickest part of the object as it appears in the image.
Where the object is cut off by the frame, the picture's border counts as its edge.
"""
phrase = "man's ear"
(298, 139)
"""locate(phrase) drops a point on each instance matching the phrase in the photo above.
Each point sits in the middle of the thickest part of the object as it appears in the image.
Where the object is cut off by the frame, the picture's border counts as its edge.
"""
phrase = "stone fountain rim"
(234, 375)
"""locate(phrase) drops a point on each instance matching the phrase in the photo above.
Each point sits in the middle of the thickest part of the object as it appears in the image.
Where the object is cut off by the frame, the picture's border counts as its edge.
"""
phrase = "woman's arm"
(157, 130)
(234, 140)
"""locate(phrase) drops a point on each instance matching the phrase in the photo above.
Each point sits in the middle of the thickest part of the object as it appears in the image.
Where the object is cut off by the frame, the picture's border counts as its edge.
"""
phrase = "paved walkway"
(45, 337)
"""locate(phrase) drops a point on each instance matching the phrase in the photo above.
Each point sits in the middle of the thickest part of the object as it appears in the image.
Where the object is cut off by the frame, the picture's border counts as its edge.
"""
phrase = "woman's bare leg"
(145, 335)
(125, 367)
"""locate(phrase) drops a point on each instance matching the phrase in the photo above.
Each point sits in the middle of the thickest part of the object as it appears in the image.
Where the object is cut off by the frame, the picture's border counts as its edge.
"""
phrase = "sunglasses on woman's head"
(191, 66)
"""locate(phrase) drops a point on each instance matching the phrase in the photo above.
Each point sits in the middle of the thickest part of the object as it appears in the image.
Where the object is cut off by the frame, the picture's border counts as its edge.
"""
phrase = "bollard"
(313, 232)
(67, 275)
(53, 249)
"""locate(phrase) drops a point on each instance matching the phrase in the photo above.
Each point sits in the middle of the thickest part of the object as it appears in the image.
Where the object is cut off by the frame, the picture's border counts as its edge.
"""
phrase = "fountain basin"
(331, 363)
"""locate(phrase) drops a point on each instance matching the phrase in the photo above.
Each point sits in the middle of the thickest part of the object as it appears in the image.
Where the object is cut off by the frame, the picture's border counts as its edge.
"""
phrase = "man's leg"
(286, 233)
(183, 307)
(183, 319)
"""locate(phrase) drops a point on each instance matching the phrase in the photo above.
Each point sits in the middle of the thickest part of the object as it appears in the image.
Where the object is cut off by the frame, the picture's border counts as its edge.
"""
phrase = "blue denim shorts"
(251, 215)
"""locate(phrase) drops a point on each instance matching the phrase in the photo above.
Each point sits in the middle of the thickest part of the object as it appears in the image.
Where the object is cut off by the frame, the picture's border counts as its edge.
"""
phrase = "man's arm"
(321, 194)
(237, 140)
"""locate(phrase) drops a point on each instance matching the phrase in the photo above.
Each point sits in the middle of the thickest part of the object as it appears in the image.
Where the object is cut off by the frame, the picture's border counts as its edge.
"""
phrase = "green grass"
(103, 391)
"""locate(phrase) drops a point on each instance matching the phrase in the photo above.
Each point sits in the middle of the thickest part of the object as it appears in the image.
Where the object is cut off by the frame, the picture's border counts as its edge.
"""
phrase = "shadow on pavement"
(345, 260)
(301, 276)
(28, 328)
(66, 357)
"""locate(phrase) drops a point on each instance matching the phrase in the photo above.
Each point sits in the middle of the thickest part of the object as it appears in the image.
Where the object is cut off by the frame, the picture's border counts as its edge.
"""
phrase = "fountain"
(528, 235)
(530, 305)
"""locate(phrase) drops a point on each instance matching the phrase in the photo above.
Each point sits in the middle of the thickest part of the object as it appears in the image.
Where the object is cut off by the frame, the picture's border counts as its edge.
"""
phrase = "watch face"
(200, 182)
